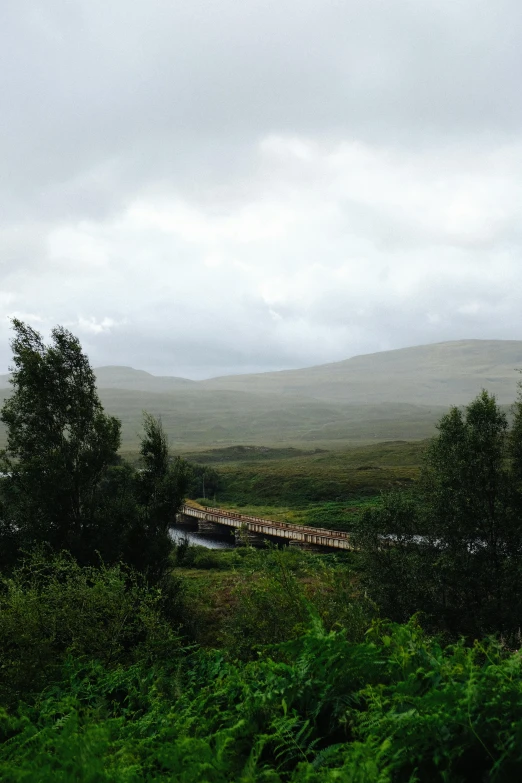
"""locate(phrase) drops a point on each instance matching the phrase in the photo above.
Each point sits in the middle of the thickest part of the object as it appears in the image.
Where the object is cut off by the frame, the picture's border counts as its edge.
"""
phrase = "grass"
(212, 582)
(247, 453)
(347, 476)
(318, 488)
(210, 595)
(198, 419)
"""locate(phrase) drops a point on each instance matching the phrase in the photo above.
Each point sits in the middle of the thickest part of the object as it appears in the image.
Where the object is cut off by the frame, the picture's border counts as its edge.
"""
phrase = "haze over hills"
(390, 395)
(448, 373)
(116, 377)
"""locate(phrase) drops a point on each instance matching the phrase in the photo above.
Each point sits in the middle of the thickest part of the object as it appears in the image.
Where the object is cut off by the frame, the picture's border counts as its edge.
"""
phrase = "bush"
(278, 592)
(52, 609)
(396, 706)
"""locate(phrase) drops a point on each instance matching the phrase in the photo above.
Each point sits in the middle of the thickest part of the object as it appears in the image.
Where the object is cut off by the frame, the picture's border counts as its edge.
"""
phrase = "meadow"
(316, 487)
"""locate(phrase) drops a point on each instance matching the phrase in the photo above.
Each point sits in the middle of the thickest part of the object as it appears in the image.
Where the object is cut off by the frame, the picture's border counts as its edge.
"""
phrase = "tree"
(203, 481)
(464, 568)
(394, 559)
(59, 442)
(469, 495)
(160, 488)
(515, 442)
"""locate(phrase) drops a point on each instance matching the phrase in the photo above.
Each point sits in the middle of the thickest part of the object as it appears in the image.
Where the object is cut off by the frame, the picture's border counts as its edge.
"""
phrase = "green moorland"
(197, 419)
(127, 659)
(449, 373)
(392, 395)
(318, 487)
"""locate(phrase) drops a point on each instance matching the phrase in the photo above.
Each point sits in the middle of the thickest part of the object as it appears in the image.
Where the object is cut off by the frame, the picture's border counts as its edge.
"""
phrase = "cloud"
(207, 188)
(92, 326)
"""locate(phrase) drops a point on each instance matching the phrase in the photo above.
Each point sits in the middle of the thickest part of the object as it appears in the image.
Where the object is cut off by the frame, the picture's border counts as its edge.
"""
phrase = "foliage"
(271, 606)
(319, 477)
(277, 590)
(160, 487)
(295, 679)
(515, 441)
(137, 507)
(63, 484)
(193, 556)
(51, 608)
(394, 561)
(59, 444)
(395, 706)
(452, 548)
(203, 481)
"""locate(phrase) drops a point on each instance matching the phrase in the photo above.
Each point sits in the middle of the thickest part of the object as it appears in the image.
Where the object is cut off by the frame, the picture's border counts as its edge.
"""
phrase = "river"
(179, 532)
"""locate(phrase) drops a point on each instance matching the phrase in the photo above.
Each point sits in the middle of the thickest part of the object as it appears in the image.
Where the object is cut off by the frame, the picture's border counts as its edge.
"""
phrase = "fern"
(293, 739)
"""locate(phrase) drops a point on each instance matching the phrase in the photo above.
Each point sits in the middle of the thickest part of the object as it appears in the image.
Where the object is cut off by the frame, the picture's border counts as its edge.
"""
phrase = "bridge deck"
(309, 535)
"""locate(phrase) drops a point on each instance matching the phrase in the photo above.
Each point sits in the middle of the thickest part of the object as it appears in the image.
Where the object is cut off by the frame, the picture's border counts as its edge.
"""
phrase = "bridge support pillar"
(244, 537)
(213, 529)
(184, 519)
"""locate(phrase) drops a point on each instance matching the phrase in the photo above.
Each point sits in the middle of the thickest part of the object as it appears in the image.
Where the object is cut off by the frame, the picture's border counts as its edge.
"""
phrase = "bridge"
(255, 528)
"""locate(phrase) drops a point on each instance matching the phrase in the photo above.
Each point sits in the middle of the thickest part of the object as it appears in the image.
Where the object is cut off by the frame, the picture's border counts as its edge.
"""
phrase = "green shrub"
(50, 609)
(278, 591)
(394, 707)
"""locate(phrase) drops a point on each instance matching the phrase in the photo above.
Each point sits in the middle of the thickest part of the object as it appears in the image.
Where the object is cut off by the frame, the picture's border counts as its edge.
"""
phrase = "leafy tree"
(63, 482)
(515, 442)
(468, 488)
(59, 442)
(464, 566)
(159, 492)
(203, 481)
(393, 558)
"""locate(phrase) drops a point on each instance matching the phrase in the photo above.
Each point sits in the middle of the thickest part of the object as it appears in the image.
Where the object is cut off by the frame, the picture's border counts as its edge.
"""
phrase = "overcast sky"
(201, 187)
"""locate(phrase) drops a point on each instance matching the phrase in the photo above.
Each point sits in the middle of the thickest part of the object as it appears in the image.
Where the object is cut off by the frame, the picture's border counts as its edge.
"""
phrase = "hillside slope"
(119, 377)
(199, 419)
(450, 373)
(384, 396)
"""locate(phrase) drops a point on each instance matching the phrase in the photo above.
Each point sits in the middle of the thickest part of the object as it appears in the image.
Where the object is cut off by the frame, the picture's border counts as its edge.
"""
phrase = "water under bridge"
(255, 529)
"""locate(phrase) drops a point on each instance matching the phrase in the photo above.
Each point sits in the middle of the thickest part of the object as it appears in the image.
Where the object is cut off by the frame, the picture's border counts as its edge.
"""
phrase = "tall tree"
(469, 497)
(455, 547)
(161, 485)
(515, 442)
(59, 441)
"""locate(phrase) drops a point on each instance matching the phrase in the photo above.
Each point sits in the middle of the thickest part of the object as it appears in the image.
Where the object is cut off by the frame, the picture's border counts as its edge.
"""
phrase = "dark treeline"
(451, 547)
(64, 485)
(126, 659)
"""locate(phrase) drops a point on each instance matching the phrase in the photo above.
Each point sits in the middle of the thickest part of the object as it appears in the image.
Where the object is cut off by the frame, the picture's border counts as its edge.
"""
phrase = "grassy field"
(212, 581)
(199, 419)
(319, 488)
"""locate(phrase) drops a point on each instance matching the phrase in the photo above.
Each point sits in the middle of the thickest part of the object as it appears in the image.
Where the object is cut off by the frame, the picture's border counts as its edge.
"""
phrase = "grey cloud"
(267, 256)
(95, 84)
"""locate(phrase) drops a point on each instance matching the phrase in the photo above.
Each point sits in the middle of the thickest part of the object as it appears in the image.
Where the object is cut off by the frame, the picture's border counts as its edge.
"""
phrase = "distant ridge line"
(388, 395)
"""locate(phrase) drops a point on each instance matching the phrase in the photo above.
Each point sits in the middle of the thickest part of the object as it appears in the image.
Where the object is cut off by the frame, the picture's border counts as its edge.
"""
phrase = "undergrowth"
(300, 685)
(396, 706)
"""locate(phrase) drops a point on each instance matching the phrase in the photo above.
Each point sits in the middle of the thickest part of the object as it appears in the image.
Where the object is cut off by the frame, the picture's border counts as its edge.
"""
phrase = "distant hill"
(376, 397)
(115, 377)
(119, 377)
(450, 373)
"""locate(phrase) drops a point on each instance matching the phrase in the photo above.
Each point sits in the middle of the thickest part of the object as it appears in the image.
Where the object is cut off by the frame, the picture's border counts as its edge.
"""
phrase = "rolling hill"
(450, 373)
(383, 396)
